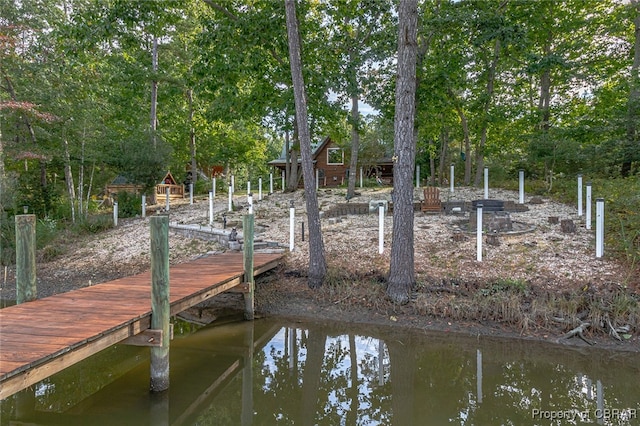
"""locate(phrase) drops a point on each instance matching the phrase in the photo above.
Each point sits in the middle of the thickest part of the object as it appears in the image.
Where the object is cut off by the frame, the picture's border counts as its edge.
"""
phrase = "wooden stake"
(160, 301)
(26, 290)
(247, 230)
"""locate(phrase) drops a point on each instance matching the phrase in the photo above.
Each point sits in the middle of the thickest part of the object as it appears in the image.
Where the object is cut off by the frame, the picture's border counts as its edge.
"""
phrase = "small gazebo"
(121, 184)
(169, 185)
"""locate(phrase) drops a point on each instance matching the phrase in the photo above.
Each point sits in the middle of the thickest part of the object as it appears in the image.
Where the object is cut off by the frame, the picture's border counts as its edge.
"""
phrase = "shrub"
(94, 224)
(129, 205)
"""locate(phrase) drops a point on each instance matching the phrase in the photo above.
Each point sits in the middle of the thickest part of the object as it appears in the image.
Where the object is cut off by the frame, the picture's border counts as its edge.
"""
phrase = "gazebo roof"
(171, 178)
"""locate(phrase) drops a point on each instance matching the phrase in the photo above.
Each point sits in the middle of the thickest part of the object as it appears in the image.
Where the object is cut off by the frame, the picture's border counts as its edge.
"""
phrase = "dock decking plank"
(42, 337)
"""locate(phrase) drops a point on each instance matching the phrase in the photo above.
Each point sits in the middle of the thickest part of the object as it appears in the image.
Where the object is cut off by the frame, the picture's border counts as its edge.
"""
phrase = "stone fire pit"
(494, 219)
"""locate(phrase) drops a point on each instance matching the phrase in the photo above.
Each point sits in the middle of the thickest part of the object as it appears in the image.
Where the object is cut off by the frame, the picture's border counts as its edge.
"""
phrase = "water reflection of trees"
(328, 376)
(332, 378)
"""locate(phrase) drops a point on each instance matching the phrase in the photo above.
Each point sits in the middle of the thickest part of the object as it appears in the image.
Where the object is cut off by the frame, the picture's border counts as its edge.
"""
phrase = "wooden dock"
(45, 336)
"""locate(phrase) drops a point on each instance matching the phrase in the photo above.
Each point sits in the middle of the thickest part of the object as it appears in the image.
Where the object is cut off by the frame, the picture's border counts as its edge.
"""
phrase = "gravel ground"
(545, 258)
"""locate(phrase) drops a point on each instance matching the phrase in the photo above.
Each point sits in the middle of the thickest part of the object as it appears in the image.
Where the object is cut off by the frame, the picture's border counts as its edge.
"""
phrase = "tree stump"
(536, 200)
(567, 226)
(459, 236)
(493, 239)
(554, 220)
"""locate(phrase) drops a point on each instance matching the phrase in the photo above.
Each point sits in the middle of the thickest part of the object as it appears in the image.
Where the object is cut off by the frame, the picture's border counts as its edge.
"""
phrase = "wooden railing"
(175, 191)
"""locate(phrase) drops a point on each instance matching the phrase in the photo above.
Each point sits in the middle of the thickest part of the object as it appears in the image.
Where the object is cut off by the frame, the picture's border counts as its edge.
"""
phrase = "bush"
(94, 224)
(7, 241)
(129, 205)
(622, 202)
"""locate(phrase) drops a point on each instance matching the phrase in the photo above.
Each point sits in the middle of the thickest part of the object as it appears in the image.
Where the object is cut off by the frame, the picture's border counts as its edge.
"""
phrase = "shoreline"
(521, 288)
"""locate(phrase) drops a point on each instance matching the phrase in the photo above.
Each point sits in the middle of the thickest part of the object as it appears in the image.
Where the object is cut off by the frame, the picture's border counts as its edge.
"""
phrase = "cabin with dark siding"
(331, 164)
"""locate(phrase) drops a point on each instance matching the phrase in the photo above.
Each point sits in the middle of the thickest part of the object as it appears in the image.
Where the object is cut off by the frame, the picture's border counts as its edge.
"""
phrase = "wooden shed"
(122, 184)
(169, 184)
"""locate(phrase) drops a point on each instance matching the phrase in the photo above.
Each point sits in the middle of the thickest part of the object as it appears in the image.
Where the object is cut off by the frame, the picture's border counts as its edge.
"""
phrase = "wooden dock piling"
(160, 309)
(247, 231)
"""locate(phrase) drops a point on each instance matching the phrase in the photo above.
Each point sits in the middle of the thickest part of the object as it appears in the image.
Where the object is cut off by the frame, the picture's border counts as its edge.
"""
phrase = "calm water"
(268, 373)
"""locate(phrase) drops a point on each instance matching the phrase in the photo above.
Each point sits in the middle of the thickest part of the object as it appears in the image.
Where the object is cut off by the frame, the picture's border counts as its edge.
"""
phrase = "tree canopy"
(550, 87)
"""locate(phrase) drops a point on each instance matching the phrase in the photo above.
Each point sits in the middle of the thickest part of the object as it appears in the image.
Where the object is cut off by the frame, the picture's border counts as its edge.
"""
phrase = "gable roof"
(316, 148)
(171, 178)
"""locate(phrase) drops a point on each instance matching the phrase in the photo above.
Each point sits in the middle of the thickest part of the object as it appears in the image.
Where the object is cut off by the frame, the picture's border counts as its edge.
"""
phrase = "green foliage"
(129, 204)
(7, 240)
(47, 230)
(203, 187)
(622, 204)
(505, 285)
(94, 224)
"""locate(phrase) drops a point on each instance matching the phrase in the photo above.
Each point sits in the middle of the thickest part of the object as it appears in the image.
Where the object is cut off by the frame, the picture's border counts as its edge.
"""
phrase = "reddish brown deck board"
(42, 337)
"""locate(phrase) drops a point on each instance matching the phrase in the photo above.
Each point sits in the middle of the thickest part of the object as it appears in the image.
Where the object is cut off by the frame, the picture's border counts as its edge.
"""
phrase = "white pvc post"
(579, 195)
(521, 186)
(259, 189)
(248, 188)
(250, 201)
(360, 177)
(588, 205)
(292, 215)
(230, 198)
(479, 233)
(233, 184)
(270, 183)
(599, 227)
(115, 213)
(214, 188)
(452, 178)
(418, 176)
(283, 181)
(317, 179)
(211, 208)
(144, 205)
(380, 227)
(486, 183)
(191, 193)
(167, 199)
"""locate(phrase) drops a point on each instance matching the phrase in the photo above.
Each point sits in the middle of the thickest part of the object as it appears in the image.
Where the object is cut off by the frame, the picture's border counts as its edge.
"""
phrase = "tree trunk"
(3, 185)
(154, 93)
(464, 122)
(317, 262)
(81, 177)
(491, 76)
(355, 147)
(633, 108)
(68, 174)
(432, 165)
(444, 149)
(287, 156)
(192, 140)
(401, 271)
(292, 175)
(88, 198)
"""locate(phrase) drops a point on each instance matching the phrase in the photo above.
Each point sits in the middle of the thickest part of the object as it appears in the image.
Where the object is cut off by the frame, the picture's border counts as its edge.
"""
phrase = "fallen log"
(578, 332)
(612, 331)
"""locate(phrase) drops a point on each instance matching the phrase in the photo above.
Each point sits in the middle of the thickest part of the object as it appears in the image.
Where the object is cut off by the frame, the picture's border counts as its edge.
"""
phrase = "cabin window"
(335, 156)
